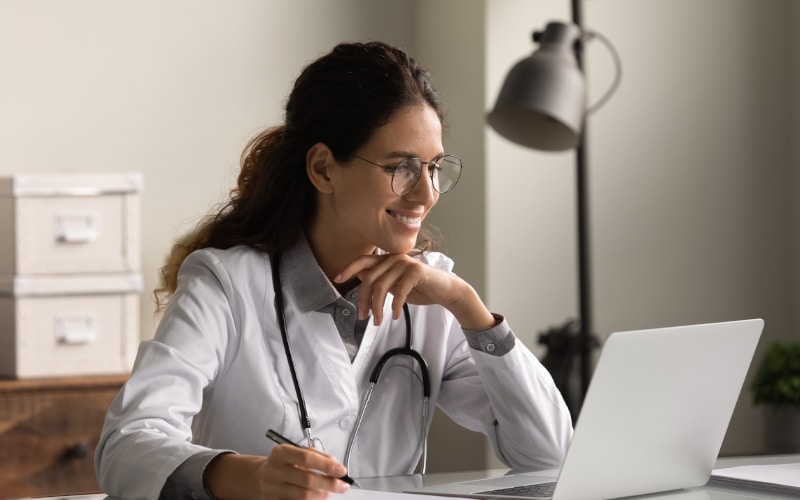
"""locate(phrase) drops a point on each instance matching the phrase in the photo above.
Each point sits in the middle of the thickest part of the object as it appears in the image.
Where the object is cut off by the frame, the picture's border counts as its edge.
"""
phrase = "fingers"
(355, 267)
(379, 276)
(376, 285)
(321, 462)
(293, 472)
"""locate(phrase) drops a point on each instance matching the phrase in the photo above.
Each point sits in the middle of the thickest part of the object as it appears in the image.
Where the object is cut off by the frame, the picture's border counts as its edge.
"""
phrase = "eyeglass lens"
(444, 173)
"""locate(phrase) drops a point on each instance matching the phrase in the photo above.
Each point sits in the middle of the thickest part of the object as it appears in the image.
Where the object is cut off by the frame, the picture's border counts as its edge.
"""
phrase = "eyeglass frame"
(431, 171)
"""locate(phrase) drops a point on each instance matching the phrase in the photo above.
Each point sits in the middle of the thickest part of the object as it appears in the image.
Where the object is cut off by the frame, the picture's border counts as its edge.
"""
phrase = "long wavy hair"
(339, 99)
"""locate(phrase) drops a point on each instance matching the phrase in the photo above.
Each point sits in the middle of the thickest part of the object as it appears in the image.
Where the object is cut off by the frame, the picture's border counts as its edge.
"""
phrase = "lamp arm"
(589, 35)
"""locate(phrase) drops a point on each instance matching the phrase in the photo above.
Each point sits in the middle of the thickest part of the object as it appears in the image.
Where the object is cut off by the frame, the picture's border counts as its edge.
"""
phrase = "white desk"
(400, 483)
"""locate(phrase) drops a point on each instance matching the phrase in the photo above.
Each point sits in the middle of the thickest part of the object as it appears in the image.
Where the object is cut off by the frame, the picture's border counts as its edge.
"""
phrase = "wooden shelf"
(49, 429)
(8, 385)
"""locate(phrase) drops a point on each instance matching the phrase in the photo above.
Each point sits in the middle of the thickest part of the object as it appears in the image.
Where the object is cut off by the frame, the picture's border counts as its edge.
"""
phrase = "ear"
(319, 160)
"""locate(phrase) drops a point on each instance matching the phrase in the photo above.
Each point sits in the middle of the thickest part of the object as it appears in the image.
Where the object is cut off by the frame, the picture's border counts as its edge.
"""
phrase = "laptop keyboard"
(540, 490)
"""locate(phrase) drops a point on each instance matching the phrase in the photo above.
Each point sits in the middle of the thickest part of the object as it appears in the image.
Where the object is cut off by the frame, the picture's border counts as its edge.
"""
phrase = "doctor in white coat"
(278, 308)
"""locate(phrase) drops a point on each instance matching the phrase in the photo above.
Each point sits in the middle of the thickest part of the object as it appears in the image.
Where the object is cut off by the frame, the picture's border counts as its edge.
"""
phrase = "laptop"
(653, 420)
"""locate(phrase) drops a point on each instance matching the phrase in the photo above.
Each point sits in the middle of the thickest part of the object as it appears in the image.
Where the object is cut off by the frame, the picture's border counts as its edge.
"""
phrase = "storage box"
(70, 223)
(69, 274)
(66, 326)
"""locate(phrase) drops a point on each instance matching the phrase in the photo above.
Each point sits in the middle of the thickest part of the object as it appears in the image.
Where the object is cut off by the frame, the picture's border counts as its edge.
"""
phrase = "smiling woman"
(282, 310)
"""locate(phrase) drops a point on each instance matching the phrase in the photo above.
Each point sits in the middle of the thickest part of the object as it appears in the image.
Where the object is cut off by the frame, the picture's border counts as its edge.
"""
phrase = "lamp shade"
(542, 102)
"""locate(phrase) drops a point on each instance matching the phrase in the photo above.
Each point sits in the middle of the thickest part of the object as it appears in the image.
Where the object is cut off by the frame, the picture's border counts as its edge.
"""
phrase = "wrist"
(470, 311)
(226, 476)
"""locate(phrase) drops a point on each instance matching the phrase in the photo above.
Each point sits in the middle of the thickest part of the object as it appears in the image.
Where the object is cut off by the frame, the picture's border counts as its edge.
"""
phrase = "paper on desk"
(385, 495)
(773, 476)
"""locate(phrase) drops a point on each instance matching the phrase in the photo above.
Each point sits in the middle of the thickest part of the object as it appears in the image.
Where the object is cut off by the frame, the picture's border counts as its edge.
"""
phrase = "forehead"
(416, 130)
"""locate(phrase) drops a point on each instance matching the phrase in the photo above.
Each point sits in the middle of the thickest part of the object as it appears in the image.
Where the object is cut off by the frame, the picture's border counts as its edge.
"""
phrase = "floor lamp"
(542, 105)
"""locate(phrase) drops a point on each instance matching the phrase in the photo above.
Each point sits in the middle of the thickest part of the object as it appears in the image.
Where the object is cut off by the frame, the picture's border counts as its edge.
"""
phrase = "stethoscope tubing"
(275, 262)
(407, 350)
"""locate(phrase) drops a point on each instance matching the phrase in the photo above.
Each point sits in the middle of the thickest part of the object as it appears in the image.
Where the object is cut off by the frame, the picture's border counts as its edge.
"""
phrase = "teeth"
(408, 220)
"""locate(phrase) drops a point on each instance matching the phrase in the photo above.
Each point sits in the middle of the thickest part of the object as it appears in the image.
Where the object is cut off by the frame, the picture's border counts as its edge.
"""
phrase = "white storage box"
(70, 223)
(66, 326)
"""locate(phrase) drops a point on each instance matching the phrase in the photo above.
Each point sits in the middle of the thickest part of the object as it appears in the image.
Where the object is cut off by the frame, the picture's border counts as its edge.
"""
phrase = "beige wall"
(692, 163)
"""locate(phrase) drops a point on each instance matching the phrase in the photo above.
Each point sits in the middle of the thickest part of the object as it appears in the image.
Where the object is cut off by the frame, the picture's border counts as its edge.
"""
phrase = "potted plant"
(777, 386)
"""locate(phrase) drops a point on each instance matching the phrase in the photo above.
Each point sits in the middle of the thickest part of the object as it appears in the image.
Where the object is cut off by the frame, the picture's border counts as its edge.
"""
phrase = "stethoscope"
(406, 350)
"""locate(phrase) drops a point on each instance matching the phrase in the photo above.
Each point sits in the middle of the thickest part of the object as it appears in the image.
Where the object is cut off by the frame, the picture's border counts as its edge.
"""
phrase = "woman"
(327, 219)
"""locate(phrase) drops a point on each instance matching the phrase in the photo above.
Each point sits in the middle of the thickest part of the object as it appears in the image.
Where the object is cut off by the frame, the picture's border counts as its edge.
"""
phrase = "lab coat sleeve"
(147, 432)
(511, 398)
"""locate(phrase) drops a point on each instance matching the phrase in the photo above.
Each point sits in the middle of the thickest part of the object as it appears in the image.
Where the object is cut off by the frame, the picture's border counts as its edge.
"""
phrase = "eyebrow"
(407, 154)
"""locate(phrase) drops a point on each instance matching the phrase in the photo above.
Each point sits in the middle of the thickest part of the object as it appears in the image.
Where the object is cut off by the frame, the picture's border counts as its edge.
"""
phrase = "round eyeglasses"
(444, 173)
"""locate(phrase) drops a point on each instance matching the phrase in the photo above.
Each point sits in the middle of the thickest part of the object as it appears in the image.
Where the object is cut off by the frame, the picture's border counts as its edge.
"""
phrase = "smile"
(403, 218)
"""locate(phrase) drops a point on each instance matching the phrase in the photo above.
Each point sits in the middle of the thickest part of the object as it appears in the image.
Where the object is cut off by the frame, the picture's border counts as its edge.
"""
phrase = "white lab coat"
(216, 376)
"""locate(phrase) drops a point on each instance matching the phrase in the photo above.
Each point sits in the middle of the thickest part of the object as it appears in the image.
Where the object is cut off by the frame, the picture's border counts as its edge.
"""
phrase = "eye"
(435, 164)
(403, 167)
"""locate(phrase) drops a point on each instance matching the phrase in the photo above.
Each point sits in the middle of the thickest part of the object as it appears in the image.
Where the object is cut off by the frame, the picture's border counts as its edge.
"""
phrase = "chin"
(399, 248)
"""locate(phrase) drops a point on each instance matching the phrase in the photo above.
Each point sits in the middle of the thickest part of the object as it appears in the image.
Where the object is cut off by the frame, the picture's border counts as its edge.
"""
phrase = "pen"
(282, 440)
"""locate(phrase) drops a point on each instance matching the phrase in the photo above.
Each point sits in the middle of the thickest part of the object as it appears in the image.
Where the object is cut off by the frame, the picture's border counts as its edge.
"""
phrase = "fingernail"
(337, 278)
(341, 486)
(338, 471)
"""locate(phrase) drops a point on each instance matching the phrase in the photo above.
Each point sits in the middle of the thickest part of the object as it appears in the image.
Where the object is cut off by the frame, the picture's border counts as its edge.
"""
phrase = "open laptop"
(653, 419)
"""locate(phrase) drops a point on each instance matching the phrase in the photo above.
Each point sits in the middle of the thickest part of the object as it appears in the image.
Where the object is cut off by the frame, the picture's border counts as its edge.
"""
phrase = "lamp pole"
(542, 105)
(584, 267)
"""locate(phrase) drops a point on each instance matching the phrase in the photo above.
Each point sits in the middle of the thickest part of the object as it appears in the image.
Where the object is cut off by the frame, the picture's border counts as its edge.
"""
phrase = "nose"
(423, 191)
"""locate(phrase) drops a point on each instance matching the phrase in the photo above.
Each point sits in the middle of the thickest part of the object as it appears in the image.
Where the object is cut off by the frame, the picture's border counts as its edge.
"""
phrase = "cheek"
(361, 206)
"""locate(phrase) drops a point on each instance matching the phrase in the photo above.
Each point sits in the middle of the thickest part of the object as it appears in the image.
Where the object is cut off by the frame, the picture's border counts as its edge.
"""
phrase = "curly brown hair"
(339, 99)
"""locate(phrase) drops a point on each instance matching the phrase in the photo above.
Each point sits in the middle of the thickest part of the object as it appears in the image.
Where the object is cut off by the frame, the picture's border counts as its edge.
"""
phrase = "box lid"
(71, 184)
(36, 286)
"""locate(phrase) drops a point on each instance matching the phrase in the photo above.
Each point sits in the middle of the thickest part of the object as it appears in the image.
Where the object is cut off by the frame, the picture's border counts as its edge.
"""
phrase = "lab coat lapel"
(324, 355)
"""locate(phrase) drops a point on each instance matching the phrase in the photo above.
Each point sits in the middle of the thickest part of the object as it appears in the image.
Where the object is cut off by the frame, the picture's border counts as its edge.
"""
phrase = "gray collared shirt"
(315, 292)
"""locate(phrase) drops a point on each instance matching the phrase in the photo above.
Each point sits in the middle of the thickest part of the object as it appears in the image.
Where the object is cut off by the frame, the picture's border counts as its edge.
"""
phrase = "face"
(364, 209)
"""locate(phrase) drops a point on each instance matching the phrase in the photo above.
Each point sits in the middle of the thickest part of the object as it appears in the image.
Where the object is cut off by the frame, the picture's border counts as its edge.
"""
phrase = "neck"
(333, 253)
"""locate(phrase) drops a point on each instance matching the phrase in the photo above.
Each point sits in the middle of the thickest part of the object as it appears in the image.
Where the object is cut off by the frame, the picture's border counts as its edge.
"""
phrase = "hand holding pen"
(278, 438)
(288, 472)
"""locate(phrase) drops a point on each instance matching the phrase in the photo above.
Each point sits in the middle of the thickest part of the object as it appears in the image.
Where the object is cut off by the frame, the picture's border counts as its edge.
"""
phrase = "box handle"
(76, 329)
(77, 227)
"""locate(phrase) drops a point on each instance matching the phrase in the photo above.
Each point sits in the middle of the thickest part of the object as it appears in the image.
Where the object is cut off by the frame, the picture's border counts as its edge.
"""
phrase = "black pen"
(282, 440)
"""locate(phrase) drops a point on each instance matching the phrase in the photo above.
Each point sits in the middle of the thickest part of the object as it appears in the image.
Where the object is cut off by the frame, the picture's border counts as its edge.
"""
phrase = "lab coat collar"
(305, 280)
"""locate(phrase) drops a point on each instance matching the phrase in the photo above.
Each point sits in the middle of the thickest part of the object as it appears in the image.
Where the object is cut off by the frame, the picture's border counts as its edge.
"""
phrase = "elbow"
(101, 462)
(543, 449)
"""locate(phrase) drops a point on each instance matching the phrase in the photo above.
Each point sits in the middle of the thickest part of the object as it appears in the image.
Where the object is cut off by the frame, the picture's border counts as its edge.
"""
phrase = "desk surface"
(401, 483)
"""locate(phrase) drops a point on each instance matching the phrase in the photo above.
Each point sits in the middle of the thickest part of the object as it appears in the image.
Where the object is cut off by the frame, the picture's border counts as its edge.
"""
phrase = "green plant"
(777, 380)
